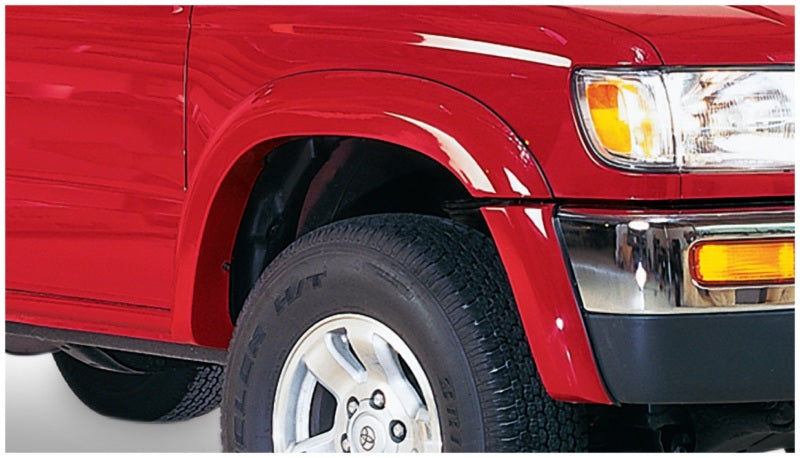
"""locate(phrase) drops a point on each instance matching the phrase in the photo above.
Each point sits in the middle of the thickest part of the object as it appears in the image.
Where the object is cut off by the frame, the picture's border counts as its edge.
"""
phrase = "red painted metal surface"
(344, 103)
(456, 46)
(732, 185)
(88, 315)
(531, 254)
(94, 169)
(102, 102)
(709, 35)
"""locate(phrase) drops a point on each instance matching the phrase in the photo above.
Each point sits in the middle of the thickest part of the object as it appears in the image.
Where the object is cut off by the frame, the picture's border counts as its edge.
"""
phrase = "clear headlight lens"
(689, 120)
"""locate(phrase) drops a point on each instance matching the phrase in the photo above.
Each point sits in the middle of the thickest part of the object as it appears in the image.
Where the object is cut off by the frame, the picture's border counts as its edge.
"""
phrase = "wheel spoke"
(334, 366)
(325, 442)
(381, 361)
(362, 340)
(397, 380)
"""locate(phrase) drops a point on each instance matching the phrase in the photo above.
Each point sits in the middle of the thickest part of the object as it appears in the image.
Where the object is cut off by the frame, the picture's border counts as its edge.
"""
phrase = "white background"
(42, 415)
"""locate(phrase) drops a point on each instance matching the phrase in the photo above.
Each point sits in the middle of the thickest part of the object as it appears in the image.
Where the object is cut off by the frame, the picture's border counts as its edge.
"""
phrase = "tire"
(169, 390)
(431, 291)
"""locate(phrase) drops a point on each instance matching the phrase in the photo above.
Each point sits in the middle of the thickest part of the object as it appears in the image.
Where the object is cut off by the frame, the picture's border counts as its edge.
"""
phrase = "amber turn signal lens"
(621, 117)
(742, 262)
(612, 127)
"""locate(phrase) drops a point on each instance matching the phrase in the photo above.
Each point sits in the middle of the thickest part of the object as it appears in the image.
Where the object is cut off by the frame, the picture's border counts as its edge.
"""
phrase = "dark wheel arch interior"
(309, 182)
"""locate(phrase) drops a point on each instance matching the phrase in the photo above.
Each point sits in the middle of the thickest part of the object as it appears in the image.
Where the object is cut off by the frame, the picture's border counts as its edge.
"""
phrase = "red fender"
(444, 124)
(529, 247)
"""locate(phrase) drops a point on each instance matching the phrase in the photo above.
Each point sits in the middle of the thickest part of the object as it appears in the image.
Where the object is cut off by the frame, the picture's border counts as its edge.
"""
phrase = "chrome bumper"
(637, 262)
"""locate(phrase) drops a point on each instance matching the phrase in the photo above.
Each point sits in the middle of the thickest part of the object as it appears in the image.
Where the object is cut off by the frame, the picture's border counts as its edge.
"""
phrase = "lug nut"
(352, 406)
(345, 444)
(397, 430)
(378, 400)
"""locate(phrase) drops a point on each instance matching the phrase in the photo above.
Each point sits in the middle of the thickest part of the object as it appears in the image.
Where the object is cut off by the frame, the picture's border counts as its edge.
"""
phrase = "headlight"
(684, 119)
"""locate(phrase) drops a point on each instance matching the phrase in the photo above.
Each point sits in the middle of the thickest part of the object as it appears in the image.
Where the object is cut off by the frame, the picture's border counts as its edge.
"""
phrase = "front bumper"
(695, 358)
(670, 354)
(638, 262)
(658, 336)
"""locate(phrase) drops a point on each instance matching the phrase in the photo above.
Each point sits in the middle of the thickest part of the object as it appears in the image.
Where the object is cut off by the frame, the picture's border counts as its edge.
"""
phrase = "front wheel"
(388, 333)
(377, 395)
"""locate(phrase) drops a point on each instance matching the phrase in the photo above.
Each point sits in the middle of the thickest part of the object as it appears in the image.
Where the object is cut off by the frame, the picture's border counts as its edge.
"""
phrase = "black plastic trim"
(695, 358)
(130, 344)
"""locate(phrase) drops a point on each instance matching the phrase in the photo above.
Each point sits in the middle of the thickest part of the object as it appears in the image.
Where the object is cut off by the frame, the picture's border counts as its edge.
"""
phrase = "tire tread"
(171, 391)
(461, 267)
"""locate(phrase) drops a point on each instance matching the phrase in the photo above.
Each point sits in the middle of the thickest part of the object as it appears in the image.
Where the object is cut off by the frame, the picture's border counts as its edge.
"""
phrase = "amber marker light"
(622, 116)
(760, 262)
(609, 117)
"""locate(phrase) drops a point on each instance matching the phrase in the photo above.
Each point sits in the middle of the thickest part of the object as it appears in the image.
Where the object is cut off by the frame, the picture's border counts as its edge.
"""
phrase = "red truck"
(410, 228)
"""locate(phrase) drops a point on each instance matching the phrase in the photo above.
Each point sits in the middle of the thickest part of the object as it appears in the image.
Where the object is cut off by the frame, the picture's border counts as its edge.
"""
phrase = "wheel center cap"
(367, 438)
(367, 433)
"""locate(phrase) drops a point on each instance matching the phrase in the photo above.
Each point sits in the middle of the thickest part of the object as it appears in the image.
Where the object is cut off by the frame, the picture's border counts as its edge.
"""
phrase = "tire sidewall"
(333, 278)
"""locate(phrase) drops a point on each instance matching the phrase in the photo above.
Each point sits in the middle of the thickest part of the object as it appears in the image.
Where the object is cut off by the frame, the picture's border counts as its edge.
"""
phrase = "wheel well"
(310, 182)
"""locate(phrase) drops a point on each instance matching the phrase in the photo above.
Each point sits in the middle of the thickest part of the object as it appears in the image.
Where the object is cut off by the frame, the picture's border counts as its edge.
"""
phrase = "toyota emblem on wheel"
(367, 438)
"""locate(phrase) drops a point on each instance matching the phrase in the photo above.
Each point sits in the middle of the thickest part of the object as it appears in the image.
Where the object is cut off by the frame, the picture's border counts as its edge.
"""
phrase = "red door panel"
(94, 163)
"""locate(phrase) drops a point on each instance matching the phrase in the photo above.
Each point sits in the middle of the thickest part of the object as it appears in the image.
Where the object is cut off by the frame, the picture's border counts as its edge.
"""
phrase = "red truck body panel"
(131, 135)
(94, 169)
(529, 247)
(722, 35)
(324, 103)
